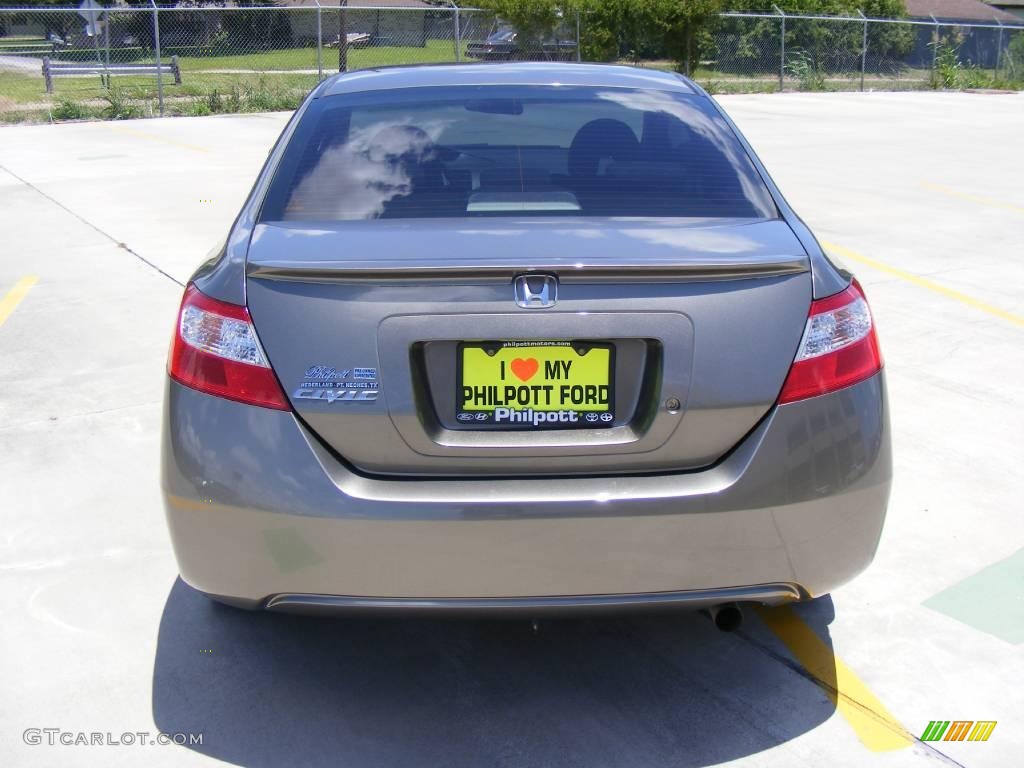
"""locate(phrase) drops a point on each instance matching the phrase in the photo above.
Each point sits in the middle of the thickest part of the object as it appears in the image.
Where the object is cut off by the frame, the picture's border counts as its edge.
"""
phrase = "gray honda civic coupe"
(518, 338)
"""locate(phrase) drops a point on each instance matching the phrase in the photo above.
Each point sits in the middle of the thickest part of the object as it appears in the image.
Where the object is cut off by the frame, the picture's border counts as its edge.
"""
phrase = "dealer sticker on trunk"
(536, 384)
(330, 384)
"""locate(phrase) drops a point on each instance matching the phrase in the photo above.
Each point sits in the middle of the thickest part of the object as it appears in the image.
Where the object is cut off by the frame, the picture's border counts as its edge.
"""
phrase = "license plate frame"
(549, 407)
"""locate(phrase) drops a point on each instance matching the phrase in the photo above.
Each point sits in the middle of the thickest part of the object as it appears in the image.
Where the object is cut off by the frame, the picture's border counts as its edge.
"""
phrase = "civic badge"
(332, 385)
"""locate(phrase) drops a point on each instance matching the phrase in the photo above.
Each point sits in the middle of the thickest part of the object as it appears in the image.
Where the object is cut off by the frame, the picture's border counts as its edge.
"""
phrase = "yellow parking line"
(155, 137)
(990, 201)
(923, 282)
(196, 505)
(15, 295)
(877, 729)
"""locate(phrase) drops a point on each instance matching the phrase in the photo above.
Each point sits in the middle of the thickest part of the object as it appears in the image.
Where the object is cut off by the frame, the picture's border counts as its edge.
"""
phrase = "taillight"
(216, 351)
(839, 347)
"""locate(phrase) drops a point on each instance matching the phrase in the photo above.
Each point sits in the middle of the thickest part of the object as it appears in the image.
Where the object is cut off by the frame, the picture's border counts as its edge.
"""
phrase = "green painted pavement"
(992, 600)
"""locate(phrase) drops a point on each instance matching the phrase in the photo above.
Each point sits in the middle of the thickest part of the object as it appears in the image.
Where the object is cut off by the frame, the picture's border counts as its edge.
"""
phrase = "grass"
(719, 81)
(801, 75)
(278, 79)
(240, 98)
(130, 97)
(435, 52)
(66, 109)
(30, 89)
(25, 116)
(280, 59)
(17, 42)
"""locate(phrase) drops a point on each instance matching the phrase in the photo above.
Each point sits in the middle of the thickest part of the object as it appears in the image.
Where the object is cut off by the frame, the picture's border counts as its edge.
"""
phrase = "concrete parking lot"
(921, 194)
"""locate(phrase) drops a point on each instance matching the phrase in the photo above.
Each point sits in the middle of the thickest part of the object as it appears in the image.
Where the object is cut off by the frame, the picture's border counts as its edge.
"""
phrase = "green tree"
(612, 28)
(749, 44)
(534, 20)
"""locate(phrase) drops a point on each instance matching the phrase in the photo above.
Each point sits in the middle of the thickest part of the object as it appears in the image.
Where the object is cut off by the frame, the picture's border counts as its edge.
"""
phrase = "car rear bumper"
(262, 515)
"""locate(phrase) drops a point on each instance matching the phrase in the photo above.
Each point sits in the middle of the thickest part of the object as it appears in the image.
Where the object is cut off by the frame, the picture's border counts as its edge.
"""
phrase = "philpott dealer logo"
(958, 730)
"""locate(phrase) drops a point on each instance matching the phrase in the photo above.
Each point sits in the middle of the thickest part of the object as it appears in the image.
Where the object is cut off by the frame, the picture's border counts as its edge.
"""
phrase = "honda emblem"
(536, 291)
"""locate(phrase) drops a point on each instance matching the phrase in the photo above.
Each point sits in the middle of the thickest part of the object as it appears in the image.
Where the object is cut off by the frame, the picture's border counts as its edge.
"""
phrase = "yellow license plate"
(536, 384)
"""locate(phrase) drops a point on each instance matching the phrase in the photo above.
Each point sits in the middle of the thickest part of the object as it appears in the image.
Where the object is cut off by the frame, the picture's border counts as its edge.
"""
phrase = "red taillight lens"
(216, 351)
(839, 347)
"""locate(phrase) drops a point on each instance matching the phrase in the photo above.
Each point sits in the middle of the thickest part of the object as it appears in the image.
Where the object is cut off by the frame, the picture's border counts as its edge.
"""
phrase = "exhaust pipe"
(727, 616)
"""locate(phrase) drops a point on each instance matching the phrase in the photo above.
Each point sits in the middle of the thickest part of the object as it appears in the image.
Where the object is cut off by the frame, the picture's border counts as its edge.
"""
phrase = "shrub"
(946, 72)
(119, 105)
(66, 109)
(198, 108)
(1013, 57)
(214, 103)
(809, 76)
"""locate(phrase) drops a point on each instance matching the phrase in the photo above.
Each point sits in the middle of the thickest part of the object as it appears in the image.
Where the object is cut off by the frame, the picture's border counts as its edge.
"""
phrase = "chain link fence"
(128, 62)
(772, 52)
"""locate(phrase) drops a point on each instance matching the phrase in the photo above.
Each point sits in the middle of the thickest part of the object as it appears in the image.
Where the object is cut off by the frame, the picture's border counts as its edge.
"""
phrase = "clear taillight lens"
(221, 336)
(831, 331)
(839, 347)
(216, 351)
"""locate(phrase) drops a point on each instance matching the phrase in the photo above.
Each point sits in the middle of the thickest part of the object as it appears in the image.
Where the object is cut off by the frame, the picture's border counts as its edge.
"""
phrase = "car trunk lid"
(366, 324)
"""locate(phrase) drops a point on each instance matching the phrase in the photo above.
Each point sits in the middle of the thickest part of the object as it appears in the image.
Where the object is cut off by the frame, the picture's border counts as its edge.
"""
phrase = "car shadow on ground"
(669, 689)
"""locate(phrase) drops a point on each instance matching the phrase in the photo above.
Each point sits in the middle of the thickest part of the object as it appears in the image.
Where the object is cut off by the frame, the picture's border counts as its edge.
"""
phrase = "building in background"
(977, 46)
(973, 11)
(1014, 7)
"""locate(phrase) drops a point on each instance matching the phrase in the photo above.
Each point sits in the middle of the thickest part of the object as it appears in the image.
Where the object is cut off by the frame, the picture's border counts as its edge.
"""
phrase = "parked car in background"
(507, 44)
(354, 40)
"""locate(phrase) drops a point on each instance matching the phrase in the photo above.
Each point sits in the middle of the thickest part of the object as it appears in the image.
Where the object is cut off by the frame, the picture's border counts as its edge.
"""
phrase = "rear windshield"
(514, 151)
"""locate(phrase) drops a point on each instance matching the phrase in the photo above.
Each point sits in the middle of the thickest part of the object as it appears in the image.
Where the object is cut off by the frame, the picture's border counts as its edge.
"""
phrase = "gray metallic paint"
(511, 73)
(726, 346)
(800, 501)
(583, 249)
(260, 510)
